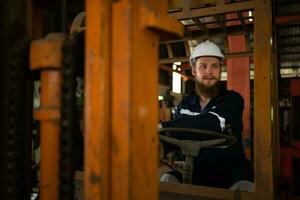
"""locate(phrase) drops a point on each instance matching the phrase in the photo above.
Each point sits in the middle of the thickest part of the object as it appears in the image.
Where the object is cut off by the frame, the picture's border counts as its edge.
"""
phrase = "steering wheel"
(191, 141)
(197, 134)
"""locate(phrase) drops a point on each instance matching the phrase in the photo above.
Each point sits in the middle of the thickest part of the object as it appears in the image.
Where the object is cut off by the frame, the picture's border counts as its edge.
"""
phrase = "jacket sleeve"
(203, 121)
(231, 109)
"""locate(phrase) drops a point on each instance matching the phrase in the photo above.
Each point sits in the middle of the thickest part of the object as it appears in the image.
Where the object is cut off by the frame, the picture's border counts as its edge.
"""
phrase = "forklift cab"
(114, 164)
(120, 100)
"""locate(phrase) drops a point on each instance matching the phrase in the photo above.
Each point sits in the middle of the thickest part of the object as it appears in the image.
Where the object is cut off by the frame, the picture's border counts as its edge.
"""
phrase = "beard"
(207, 91)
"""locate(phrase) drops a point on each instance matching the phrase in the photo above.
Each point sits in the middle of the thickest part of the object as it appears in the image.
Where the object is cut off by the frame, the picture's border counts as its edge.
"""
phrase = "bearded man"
(212, 107)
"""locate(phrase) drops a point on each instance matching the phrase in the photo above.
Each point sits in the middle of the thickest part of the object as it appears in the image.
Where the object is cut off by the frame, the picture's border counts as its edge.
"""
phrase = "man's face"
(207, 71)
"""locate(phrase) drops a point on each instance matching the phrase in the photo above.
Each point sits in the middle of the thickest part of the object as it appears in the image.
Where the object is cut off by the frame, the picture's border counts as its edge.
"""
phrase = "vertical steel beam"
(134, 106)
(97, 100)
(134, 97)
(45, 54)
(238, 78)
(121, 108)
(121, 63)
(265, 104)
(50, 97)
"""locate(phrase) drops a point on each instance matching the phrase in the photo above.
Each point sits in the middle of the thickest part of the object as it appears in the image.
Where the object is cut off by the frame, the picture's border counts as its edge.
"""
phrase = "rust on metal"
(220, 8)
(95, 179)
(97, 100)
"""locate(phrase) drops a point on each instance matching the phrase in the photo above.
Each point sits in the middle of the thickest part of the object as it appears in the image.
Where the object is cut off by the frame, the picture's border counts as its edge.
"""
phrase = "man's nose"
(209, 69)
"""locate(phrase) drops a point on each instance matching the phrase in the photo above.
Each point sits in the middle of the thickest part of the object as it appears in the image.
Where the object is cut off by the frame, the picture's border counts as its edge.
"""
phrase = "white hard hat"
(206, 48)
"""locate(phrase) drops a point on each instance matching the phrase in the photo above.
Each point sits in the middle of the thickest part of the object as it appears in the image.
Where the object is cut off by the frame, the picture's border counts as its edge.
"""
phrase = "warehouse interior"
(86, 82)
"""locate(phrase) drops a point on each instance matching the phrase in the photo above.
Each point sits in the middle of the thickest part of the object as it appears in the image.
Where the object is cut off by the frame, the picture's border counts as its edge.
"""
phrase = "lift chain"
(16, 154)
(70, 146)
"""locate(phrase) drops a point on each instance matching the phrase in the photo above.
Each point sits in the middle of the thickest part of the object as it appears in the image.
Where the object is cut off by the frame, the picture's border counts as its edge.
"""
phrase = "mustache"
(210, 77)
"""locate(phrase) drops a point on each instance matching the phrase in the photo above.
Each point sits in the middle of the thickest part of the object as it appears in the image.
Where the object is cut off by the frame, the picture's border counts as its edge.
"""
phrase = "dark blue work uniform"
(219, 167)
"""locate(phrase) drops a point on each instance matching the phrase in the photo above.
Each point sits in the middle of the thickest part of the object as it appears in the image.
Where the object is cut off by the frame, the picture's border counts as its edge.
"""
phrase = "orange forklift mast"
(120, 101)
(121, 97)
(45, 55)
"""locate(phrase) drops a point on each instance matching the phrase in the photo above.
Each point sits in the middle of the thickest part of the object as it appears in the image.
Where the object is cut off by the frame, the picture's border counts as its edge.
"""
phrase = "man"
(212, 107)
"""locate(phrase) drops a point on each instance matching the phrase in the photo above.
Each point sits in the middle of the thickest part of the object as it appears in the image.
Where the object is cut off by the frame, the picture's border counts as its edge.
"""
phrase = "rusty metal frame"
(185, 192)
(45, 55)
(120, 106)
(120, 117)
(265, 118)
(265, 103)
(287, 19)
(186, 59)
(97, 100)
(218, 9)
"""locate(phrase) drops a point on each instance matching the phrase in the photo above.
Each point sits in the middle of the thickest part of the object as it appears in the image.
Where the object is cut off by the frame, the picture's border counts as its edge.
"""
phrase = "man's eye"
(202, 66)
(215, 65)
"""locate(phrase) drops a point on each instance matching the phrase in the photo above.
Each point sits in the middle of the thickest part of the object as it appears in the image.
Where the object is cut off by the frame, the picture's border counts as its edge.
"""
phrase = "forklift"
(80, 87)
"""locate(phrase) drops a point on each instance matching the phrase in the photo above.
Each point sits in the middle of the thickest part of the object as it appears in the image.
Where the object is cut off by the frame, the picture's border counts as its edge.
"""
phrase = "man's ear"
(193, 71)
